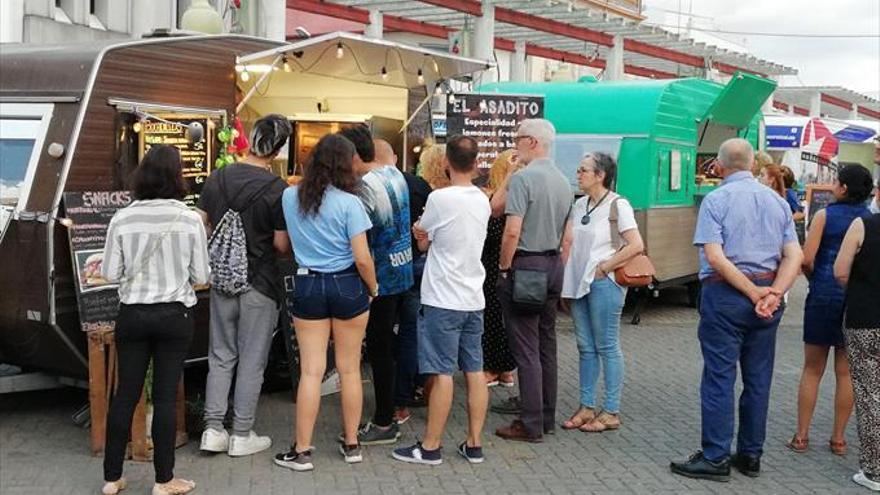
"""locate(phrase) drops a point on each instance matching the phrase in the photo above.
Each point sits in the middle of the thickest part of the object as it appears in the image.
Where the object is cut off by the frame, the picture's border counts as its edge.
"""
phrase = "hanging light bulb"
(285, 64)
(245, 75)
(137, 127)
(339, 51)
(384, 74)
(421, 78)
(436, 66)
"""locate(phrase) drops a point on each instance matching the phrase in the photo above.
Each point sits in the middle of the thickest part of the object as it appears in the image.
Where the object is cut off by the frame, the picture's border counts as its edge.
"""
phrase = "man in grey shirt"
(539, 200)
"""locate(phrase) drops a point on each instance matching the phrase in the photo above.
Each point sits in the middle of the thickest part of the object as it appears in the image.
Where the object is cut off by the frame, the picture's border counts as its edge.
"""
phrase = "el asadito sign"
(491, 119)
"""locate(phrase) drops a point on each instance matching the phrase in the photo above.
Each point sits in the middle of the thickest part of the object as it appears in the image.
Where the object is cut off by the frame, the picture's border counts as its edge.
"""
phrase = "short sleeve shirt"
(385, 196)
(542, 197)
(750, 221)
(256, 193)
(322, 241)
(592, 243)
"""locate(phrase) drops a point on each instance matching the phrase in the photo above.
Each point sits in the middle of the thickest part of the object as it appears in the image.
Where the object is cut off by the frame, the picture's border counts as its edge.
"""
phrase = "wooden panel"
(669, 239)
(197, 73)
(48, 172)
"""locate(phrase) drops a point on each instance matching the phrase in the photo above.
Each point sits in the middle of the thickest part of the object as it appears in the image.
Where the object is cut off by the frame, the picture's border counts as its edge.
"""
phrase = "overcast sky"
(848, 62)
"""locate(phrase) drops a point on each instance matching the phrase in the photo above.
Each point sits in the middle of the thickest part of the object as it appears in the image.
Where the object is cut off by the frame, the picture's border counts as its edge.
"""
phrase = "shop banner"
(491, 119)
(196, 156)
(97, 299)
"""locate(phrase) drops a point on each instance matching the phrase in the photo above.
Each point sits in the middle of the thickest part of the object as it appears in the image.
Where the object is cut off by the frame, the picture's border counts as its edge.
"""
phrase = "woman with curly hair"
(335, 279)
(432, 168)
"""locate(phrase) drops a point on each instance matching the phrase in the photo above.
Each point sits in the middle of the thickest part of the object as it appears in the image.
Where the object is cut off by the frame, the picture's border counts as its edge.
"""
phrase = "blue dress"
(823, 311)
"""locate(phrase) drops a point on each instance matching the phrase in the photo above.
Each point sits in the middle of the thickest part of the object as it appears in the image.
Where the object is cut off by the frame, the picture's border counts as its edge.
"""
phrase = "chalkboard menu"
(818, 197)
(97, 299)
(196, 156)
(491, 119)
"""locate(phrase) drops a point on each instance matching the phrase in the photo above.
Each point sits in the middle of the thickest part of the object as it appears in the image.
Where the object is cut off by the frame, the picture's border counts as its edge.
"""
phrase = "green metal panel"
(740, 100)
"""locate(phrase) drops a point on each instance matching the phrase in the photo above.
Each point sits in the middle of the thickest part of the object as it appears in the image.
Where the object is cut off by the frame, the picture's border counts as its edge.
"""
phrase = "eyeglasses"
(517, 138)
(583, 170)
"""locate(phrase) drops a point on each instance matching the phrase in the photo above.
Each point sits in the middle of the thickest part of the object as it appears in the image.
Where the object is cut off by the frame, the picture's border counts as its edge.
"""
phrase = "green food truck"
(665, 135)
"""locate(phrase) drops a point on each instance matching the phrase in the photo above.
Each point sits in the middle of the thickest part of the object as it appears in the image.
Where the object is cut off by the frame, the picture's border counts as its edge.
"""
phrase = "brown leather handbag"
(639, 271)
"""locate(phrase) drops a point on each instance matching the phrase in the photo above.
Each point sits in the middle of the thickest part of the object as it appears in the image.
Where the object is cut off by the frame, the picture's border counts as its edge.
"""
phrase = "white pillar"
(768, 103)
(375, 28)
(614, 62)
(483, 42)
(854, 112)
(816, 104)
(274, 17)
(518, 62)
(11, 21)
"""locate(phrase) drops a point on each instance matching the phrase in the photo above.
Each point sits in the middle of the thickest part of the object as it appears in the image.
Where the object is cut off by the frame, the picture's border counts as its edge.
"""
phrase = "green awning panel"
(740, 100)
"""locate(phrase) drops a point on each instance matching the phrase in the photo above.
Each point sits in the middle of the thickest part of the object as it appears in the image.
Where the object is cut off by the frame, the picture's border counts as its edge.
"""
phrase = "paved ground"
(41, 451)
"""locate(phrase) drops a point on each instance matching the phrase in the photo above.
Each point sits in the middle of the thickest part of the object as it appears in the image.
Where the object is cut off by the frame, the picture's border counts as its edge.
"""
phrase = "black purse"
(529, 290)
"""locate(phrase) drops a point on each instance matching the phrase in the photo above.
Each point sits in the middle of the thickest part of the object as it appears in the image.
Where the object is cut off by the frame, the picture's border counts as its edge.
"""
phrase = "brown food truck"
(77, 118)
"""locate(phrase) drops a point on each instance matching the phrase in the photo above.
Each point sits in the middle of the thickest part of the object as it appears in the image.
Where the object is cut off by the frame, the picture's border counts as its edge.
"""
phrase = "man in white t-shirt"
(450, 327)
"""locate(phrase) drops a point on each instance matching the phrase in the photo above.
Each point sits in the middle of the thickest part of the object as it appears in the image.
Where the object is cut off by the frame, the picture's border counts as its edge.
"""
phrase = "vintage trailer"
(664, 134)
(76, 118)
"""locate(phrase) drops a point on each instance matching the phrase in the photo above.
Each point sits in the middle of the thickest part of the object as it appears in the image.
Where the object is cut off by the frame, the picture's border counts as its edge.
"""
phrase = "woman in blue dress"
(823, 312)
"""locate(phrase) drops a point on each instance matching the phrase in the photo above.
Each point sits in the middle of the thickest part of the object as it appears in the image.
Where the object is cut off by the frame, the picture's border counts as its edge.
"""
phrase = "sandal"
(837, 448)
(605, 421)
(113, 487)
(177, 486)
(580, 417)
(798, 444)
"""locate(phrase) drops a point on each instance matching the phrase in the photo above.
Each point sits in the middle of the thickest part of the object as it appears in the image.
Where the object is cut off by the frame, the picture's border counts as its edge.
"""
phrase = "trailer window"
(22, 129)
(569, 149)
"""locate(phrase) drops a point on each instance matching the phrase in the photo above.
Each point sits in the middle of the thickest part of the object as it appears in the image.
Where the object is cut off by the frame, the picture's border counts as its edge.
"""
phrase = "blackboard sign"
(196, 156)
(91, 212)
(491, 119)
(818, 197)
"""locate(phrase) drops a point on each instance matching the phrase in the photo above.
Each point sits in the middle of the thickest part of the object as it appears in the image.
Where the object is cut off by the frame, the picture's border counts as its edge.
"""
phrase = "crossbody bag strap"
(157, 243)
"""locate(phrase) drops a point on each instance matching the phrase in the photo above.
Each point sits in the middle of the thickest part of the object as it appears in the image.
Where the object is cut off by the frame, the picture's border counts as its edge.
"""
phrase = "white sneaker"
(866, 482)
(214, 440)
(251, 444)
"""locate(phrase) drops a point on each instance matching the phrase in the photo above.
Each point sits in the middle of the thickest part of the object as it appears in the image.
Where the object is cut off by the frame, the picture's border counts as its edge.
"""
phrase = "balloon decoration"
(232, 142)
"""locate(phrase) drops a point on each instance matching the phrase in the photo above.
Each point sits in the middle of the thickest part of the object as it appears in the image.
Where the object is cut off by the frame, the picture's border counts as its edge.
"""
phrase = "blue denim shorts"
(448, 337)
(318, 296)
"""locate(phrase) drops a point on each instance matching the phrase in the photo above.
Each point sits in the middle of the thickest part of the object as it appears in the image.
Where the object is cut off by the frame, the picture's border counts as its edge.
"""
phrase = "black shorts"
(318, 296)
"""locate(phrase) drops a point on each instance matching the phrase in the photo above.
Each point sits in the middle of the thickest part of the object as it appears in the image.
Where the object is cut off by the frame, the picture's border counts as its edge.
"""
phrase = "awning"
(358, 58)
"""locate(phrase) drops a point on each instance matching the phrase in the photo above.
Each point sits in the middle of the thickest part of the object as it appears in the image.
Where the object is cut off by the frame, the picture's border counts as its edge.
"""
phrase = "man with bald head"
(749, 257)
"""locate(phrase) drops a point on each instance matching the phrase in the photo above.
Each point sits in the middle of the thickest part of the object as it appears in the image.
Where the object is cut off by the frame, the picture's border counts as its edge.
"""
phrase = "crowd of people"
(437, 274)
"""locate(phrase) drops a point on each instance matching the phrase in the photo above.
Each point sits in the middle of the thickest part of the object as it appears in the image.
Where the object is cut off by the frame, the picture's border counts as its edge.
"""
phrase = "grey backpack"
(227, 248)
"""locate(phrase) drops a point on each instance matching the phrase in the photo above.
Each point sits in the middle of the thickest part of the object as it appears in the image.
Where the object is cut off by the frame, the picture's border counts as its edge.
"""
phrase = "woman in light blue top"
(334, 284)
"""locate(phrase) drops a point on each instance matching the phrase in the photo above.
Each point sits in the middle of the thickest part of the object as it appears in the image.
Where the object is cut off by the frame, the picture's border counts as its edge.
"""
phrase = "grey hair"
(736, 153)
(606, 164)
(540, 129)
(269, 135)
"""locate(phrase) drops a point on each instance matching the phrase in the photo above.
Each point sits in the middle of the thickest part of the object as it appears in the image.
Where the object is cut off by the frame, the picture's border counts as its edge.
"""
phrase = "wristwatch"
(503, 271)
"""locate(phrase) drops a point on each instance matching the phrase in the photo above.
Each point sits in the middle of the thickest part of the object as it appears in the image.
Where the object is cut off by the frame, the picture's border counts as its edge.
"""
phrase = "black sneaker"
(370, 434)
(746, 464)
(418, 399)
(697, 466)
(417, 455)
(351, 453)
(509, 406)
(298, 461)
(474, 455)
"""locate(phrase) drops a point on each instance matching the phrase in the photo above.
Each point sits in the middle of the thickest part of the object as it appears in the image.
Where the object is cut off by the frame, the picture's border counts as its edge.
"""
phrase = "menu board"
(491, 119)
(91, 211)
(818, 197)
(196, 156)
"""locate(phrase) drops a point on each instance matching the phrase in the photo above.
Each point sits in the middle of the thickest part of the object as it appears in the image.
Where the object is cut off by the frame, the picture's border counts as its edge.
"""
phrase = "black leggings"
(380, 350)
(161, 332)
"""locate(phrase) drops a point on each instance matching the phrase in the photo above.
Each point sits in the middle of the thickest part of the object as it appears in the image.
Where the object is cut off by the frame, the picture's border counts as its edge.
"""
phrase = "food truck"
(75, 120)
(664, 135)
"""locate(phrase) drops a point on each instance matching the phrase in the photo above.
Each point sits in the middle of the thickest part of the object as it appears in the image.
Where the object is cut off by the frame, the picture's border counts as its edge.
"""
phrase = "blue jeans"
(406, 347)
(730, 332)
(596, 319)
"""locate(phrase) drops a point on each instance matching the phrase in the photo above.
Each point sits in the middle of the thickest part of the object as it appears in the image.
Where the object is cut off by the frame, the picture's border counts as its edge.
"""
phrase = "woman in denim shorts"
(334, 284)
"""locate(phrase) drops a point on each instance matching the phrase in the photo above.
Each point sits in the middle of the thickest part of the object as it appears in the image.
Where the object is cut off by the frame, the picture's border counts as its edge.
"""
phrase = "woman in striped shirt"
(156, 250)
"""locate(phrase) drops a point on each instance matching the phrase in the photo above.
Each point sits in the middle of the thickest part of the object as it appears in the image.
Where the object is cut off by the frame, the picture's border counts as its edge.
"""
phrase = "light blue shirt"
(750, 221)
(322, 242)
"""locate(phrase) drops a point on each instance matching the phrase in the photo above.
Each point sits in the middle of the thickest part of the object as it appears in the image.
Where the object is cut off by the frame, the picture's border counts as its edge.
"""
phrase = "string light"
(339, 51)
(245, 75)
(137, 127)
(384, 74)
(421, 78)
(285, 64)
